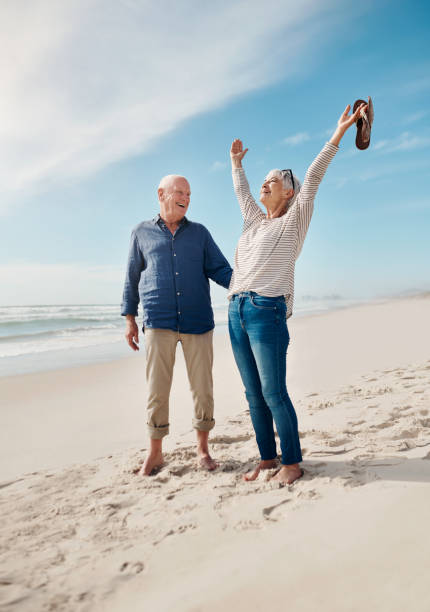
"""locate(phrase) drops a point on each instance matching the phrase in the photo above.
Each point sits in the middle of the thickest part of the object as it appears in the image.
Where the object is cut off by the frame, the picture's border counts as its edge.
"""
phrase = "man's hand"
(237, 153)
(132, 332)
(345, 121)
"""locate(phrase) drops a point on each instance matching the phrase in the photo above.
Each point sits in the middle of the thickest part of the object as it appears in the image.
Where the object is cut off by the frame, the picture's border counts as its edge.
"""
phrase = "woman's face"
(273, 192)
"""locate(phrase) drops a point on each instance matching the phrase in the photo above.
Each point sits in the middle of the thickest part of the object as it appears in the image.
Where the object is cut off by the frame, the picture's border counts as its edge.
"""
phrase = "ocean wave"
(31, 347)
(6, 324)
(40, 335)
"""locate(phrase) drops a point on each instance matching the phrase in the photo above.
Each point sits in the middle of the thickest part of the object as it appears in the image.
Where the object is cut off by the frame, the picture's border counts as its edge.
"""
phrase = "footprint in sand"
(179, 470)
(11, 594)
(383, 425)
(339, 442)
(321, 406)
(248, 524)
(268, 511)
(330, 452)
(231, 466)
(230, 439)
(130, 568)
(406, 433)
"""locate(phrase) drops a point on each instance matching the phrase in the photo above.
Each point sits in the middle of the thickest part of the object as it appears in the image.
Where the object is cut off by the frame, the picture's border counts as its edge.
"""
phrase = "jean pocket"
(263, 303)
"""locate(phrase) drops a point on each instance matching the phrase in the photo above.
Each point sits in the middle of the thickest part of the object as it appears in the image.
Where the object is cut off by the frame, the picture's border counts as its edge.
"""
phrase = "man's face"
(174, 200)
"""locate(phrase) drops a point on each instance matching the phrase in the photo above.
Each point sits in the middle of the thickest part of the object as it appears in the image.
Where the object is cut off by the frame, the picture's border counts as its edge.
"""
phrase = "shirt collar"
(157, 220)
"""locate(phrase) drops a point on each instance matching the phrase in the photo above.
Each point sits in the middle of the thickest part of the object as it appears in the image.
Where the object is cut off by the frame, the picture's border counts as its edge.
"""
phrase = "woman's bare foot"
(288, 474)
(206, 462)
(153, 461)
(266, 464)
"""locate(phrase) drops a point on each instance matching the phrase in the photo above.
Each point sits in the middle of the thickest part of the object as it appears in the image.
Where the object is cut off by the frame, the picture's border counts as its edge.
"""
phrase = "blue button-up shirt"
(169, 275)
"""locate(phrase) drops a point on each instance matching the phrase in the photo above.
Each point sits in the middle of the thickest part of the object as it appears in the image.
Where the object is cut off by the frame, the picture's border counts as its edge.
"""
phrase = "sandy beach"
(80, 531)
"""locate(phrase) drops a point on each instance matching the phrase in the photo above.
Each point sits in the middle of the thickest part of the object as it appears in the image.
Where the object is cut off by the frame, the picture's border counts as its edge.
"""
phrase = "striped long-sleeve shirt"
(268, 248)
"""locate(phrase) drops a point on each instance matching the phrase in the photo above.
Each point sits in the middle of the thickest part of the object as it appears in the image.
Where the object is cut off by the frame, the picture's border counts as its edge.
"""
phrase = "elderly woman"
(261, 296)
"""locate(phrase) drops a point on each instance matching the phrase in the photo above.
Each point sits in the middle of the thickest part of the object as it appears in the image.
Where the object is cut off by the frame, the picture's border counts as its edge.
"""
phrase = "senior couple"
(170, 262)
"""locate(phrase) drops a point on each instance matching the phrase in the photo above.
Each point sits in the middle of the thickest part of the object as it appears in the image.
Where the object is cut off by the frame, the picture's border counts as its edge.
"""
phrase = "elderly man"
(169, 264)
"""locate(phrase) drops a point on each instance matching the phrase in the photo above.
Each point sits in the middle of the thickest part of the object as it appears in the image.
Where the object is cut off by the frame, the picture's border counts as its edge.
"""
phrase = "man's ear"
(160, 193)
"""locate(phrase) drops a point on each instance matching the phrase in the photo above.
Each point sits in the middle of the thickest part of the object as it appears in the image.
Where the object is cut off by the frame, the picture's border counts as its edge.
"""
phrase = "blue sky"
(104, 98)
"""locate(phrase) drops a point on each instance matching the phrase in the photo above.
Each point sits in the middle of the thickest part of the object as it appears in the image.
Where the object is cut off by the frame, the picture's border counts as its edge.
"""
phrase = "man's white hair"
(167, 180)
(285, 177)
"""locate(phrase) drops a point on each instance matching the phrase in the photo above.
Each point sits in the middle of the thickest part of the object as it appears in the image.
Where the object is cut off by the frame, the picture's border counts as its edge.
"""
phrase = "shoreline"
(51, 361)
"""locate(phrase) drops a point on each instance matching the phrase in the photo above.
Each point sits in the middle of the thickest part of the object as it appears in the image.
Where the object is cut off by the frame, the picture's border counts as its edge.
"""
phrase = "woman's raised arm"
(248, 206)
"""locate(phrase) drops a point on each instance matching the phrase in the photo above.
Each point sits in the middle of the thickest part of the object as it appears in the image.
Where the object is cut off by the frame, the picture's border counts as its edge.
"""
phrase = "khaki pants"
(160, 345)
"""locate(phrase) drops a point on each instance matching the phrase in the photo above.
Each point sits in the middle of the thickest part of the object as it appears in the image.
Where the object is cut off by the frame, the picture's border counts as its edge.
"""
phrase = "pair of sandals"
(364, 124)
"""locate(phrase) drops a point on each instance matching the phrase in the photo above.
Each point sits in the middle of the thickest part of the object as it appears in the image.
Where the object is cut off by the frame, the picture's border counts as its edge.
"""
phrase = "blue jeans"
(259, 338)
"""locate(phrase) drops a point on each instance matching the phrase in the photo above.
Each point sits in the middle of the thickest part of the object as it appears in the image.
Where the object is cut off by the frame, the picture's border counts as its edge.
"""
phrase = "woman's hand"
(345, 122)
(237, 153)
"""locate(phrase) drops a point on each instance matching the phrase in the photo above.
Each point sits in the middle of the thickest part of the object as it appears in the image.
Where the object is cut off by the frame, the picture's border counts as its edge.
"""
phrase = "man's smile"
(181, 205)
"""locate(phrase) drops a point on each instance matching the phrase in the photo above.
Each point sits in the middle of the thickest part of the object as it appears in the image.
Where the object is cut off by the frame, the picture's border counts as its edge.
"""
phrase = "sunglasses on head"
(284, 173)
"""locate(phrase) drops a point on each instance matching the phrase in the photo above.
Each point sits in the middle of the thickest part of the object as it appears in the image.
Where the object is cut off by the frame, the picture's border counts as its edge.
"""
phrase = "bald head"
(169, 179)
(174, 196)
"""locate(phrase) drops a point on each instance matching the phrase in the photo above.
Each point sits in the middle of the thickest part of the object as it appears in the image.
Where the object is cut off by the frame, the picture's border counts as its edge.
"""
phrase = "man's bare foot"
(288, 474)
(152, 462)
(266, 464)
(206, 462)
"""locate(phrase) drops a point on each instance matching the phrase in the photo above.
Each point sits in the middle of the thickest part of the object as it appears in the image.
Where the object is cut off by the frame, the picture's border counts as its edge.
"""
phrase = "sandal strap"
(363, 114)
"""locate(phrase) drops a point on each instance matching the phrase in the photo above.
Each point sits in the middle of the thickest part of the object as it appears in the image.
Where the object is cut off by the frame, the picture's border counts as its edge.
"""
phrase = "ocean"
(43, 337)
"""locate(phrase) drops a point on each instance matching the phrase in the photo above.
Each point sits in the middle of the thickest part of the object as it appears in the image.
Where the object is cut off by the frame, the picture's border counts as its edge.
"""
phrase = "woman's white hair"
(286, 180)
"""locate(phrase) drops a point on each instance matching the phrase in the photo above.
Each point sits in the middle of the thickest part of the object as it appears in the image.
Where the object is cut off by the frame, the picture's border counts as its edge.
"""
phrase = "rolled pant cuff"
(203, 425)
(157, 432)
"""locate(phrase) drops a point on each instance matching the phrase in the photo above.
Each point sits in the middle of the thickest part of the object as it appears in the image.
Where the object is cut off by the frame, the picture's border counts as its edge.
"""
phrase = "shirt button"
(174, 254)
(177, 273)
(178, 293)
(179, 312)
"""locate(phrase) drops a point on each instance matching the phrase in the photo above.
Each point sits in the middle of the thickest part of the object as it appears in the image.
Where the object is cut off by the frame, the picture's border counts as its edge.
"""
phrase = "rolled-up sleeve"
(135, 265)
(216, 265)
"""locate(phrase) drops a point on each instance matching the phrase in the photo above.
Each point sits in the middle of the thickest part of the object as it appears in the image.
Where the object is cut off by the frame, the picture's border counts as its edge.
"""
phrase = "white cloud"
(404, 142)
(27, 283)
(329, 132)
(88, 82)
(398, 168)
(217, 165)
(380, 144)
(412, 118)
(296, 139)
(342, 181)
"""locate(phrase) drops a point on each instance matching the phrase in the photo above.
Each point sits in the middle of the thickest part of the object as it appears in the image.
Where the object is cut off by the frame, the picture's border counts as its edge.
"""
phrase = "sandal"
(364, 124)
